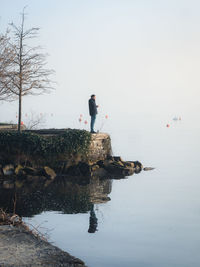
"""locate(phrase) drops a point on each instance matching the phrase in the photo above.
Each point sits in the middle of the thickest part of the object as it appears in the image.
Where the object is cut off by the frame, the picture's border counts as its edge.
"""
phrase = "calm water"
(152, 219)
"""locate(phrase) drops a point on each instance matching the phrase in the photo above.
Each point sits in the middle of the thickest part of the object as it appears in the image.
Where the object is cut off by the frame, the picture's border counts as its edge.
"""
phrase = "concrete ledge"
(100, 147)
(19, 248)
(10, 127)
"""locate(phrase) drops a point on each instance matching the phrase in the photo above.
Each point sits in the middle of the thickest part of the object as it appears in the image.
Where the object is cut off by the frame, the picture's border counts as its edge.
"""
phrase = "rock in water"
(148, 169)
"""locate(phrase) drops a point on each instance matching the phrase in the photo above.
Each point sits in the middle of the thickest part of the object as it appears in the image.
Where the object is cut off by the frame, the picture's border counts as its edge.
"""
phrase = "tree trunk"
(20, 77)
(20, 113)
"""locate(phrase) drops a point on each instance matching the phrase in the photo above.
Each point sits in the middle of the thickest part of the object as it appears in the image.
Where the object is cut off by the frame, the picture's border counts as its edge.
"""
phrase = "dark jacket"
(92, 107)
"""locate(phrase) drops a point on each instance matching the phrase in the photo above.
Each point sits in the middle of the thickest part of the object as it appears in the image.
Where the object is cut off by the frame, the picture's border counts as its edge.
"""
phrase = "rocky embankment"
(110, 168)
(12, 175)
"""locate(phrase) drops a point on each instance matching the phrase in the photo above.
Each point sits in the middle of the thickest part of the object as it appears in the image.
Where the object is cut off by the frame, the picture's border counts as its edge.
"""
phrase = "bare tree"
(27, 73)
(6, 57)
(34, 121)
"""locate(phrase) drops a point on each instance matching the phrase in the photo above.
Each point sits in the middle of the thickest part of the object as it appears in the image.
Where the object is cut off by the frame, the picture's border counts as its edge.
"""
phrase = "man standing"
(93, 112)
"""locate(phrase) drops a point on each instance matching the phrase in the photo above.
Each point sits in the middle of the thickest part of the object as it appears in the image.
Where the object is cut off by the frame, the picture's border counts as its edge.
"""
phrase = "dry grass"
(15, 220)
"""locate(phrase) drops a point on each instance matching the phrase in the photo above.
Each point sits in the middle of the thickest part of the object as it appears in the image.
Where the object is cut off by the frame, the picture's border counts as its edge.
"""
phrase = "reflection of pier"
(67, 196)
(99, 190)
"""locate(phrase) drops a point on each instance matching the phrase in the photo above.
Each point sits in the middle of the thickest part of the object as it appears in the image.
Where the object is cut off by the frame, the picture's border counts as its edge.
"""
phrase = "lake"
(150, 219)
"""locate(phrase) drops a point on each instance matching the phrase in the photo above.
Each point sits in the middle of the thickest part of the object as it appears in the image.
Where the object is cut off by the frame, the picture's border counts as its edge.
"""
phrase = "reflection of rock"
(30, 171)
(8, 184)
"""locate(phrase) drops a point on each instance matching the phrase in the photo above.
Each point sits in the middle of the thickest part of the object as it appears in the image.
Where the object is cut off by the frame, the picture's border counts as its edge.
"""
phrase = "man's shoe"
(93, 132)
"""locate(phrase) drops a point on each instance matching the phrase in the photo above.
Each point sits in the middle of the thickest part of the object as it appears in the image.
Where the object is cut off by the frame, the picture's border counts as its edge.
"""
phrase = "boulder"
(128, 171)
(15, 219)
(8, 169)
(118, 168)
(138, 166)
(49, 173)
(19, 170)
(117, 164)
(129, 164)
(104, 163)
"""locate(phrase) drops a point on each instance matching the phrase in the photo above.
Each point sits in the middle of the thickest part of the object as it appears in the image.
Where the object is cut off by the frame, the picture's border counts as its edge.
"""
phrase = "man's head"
(93, 97)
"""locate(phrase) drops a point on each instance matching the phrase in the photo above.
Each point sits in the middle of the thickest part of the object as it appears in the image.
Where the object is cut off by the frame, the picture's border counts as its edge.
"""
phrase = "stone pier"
(100, 147)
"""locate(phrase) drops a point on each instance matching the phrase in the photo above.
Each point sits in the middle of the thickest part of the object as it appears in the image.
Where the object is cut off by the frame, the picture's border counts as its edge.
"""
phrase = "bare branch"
(34, 121)
(22, 67)
(6, 57)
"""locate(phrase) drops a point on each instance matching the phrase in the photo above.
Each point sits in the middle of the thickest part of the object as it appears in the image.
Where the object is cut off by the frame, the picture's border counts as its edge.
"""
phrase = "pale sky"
(137, 56)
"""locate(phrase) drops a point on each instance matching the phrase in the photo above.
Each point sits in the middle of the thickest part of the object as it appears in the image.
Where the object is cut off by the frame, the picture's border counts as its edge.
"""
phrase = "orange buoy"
(167, 125)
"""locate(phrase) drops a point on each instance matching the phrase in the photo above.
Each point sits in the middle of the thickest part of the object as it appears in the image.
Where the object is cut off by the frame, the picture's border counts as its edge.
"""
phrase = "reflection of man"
(93, 221)
(93, 112)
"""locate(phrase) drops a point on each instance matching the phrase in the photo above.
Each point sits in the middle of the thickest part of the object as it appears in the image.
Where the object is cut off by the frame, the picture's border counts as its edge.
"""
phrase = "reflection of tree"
(93, 221)
(61, 195)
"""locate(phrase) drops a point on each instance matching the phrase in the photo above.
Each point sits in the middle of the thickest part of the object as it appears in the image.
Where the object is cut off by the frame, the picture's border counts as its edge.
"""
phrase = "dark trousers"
(93, 118)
